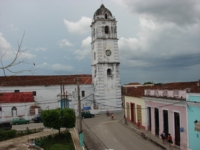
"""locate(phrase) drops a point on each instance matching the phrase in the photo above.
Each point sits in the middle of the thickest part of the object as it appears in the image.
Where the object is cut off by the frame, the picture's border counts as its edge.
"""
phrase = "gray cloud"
(180, 12)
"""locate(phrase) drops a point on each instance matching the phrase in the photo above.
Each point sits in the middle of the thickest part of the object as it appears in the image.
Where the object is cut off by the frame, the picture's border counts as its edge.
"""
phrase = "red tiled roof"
(194, 88)
(139, 91)
(18, 97)
(135, 91)
(44, 80)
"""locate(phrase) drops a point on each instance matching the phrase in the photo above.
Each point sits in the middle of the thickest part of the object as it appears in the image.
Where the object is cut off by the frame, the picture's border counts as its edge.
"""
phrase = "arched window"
(106, 16)
(109, 72)
(106, 29)
(94, 32)
(14, 111)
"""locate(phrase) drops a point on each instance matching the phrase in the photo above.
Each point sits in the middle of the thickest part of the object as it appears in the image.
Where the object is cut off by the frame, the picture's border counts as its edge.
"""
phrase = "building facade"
(105, 60)
(193, 110)
(49, 92)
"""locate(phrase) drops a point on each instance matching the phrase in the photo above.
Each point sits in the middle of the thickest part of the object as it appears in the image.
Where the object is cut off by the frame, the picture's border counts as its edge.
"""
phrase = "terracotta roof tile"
(44, 80)
(18, 97)
(139, 91)
(193, 86)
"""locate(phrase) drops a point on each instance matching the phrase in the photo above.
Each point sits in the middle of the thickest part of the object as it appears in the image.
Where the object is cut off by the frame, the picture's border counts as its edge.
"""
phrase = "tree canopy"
(59, 118)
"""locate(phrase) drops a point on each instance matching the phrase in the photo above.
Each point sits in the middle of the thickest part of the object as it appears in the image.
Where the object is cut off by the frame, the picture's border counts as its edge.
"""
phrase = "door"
(165, 122)
(177, 128)
(132, 112)
(149, 117)
(156, 112)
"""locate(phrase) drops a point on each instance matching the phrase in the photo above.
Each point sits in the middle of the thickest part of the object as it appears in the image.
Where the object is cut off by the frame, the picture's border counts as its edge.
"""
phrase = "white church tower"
(105, 61)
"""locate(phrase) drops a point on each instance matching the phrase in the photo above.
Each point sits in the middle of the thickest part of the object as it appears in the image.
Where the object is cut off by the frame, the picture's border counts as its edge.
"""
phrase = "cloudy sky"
(159, 40)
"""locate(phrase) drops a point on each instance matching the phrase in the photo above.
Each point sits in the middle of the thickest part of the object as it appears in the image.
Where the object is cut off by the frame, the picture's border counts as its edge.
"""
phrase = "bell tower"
(105, 61)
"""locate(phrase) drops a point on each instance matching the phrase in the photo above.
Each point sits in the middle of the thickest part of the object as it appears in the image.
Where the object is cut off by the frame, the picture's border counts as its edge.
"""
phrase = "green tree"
(148, 83)
(58, 118)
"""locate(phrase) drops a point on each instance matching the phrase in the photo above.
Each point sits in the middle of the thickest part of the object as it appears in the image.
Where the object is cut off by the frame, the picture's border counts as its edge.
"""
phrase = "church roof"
(44, 80)
(101, 11)
(16, 97)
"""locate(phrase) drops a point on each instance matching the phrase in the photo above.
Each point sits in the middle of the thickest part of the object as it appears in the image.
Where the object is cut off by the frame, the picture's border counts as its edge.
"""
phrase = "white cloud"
(86, 51)
(86, 42)
(27, 55)
(41, 49)
(13, 27)
(9, 52)
(5, 48)
(56, 67)
(59, 67)
(79, 27)
(64, 42)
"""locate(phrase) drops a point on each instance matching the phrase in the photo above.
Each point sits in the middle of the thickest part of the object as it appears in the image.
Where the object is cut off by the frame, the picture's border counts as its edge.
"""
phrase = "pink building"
(167, 111)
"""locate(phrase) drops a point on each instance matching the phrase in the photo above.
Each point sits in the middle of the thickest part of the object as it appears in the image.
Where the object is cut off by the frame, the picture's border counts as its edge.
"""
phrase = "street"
(103, 133)
(30, 126)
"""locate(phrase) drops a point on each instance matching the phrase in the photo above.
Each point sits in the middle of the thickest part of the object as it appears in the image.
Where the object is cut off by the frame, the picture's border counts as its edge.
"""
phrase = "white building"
(101, 90)
(105, 60)
(46, 93)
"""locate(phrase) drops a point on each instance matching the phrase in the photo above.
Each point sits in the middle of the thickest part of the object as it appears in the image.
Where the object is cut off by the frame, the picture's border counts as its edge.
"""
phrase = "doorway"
(132, 112)
(14, 111)
(149, 118)
(177, 128)
(156, 113)
(165, 122)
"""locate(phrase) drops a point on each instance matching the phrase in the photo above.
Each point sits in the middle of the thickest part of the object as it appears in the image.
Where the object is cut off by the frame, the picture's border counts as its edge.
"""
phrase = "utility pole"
(80, 115)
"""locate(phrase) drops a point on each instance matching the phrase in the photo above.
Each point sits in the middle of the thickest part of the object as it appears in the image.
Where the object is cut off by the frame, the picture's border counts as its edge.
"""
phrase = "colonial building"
(101, 91)
(105, 60)
(20, 94)
(165, 108)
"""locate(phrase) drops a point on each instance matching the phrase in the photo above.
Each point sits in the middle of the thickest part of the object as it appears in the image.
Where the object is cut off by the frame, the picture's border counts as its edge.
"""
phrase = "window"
(94, 32)
(128, 111)
(14, 111)
(165, 93)
(0, 109)
(83, 93)
(176, 93)
(106, 29)
(148, 92)
(109, 72)
(16, 91)
(139, 113)
(115, 29)
(94, 55)
(156, 93)
(106, 16)
(95, 72)
(34, 93)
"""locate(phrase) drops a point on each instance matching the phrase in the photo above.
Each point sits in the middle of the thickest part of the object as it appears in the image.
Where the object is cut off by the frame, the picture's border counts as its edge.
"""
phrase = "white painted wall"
(46, 97)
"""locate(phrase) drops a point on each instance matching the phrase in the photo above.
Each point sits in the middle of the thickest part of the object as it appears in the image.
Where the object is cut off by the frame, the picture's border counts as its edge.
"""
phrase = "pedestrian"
(138, 124)
(162, 136)
(107, 113)
(112, 116)
(169, 140)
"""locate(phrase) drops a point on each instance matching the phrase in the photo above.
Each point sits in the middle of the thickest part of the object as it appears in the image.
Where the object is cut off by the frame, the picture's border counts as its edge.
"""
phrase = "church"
(27, 95)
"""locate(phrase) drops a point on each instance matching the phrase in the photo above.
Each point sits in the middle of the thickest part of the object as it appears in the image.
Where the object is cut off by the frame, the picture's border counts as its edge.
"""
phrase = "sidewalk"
(155, 139)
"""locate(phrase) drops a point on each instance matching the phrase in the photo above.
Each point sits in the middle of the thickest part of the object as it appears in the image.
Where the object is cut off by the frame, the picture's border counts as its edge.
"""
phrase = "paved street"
(103, 133)
(30, 126)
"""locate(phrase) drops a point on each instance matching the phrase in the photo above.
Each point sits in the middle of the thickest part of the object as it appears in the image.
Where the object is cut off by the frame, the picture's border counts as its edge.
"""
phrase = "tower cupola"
(102, 13)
